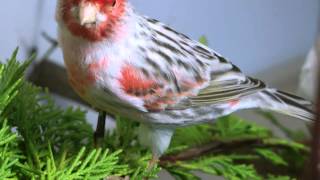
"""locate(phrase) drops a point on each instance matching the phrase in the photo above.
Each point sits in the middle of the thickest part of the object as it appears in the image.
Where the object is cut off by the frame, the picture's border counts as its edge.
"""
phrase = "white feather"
(156, 138)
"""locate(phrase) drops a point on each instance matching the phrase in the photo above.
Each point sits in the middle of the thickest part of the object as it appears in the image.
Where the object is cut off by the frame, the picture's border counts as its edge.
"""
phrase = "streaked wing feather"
(193, 74)
(219, 92)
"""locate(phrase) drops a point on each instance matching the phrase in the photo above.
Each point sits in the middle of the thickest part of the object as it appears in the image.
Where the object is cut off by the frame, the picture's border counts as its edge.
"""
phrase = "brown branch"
(54, 44)
(199, 151)
(215, 147)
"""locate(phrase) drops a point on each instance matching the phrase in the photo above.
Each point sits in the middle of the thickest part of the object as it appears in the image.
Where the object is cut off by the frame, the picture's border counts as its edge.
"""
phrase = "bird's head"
(93, 20)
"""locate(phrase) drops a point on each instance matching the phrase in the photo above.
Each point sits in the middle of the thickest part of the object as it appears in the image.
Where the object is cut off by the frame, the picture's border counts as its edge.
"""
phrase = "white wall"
(255, 34)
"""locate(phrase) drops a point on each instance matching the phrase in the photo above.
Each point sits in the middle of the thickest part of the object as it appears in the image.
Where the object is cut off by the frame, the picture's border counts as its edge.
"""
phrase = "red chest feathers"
(81, 78)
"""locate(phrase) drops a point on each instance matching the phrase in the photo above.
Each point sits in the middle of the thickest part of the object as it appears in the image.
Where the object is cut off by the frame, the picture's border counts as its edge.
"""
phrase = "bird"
(125, 63)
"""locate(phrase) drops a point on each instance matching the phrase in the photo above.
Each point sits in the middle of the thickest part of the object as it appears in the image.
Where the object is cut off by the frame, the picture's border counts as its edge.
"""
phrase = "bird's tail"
(288, 104)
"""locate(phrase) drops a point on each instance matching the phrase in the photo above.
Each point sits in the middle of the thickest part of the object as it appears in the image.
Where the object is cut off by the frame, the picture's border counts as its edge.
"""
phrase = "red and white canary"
(127, 64)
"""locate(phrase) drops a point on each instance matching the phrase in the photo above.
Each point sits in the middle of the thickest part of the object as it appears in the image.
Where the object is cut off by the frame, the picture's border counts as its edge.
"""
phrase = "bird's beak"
(88, 13)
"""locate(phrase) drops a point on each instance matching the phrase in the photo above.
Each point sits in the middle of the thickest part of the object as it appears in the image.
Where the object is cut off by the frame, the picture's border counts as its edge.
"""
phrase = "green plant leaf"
(271, 156)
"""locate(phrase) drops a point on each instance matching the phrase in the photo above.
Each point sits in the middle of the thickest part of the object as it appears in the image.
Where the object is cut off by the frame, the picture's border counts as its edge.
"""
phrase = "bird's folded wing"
(220, 92)
(223, 91)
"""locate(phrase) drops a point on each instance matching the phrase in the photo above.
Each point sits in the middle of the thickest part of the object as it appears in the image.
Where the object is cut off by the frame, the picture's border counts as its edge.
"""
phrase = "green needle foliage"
(39, 140)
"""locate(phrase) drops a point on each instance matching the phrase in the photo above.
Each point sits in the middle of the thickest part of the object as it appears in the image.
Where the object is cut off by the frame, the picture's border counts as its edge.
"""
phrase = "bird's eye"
(111, 2)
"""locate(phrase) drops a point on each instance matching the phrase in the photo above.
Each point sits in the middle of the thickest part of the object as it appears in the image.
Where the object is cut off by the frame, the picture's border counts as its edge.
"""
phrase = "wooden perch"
(215, 147)
(212, 147)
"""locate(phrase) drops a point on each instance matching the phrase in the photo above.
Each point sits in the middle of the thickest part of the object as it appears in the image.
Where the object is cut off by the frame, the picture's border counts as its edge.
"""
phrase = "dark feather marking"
(222, 59)
(165, 76)
(152, 63)
(239, 92)
(183, 64)
(153, 21)
(291, 96)
(294, 103)
(203, 52)
(142, 33)
(229, 93)
(170, 77)
(138, 93)
(274, 97)
(174, 78)
(168, 46)
(175, 32)
(163, 55)
(235, 69)
(145, 72)
(142, 49)
(257, 82)
(200, 50)
(141, 24)
(200, 63)
(184, 43)
(174, 41)
(198, 77)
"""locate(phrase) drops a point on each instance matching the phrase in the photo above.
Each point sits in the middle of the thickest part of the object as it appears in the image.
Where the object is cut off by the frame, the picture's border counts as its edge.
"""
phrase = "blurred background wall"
(255, 34)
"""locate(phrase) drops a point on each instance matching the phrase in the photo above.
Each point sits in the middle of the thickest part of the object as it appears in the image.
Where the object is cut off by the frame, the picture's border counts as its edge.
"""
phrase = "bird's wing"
(177, 72)
(220, 92)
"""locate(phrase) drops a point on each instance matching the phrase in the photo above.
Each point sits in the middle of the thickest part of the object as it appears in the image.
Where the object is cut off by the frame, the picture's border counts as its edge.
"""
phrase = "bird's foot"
(118, 178)
(153, 162)
(100, 130)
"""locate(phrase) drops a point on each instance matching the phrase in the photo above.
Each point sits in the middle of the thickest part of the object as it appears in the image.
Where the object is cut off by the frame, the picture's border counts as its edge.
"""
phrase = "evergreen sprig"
(9, 155)
(218, 165)
(95, 164)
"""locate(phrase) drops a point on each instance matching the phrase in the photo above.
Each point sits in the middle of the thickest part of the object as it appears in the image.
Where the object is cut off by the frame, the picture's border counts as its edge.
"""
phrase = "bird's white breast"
(96, 67)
